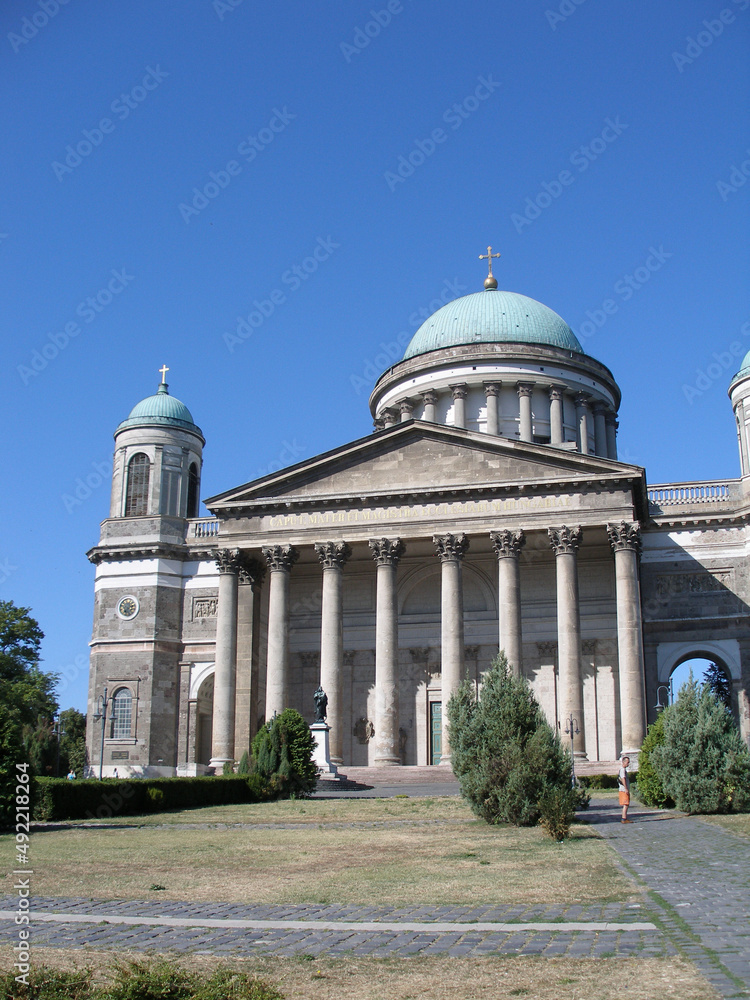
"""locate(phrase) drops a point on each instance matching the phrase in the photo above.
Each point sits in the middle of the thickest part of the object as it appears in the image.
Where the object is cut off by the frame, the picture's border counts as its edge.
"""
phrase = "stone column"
(582, 422)
(451, 550)
(222, 735)
(507, 546)
(611, 422)
(280, 559)
(600, 430)
(390, 417)
(459, 404)
(565, 542)
(386, 552)
(430, 399)
(524, 400)
(251, 575)
(407, 409)
(378, 423)
(625, 539)
(333, 556)
(556, 397)
(491, 392)
(184, 721)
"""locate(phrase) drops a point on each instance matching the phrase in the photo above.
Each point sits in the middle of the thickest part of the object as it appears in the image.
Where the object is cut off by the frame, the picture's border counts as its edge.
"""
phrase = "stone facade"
(396, 565)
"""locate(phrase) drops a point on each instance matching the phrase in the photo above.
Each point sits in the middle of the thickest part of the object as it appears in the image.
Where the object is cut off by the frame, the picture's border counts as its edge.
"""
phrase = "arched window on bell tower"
(192, 494)
(136, 496)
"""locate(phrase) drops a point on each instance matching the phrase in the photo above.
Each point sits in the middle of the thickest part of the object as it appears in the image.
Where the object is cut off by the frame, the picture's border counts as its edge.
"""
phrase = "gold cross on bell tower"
(490, 282)
(163, 370)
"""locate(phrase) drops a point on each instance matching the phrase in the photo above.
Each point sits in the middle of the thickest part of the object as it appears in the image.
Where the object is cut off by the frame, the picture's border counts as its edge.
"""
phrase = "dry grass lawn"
(399, 852)
(446, 978)
(738, 823)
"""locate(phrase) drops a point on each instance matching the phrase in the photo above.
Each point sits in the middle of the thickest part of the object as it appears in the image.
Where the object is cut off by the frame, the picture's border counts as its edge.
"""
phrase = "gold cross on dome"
(163, 370)
(488, 257)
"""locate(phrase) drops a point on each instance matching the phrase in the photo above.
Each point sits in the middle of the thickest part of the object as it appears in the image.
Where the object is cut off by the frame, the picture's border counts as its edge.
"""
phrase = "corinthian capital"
(507, 543)
(251, 571)
(625, 536)
(387, 551)
(564, 539)
(333, 555)
(280, 556)
(228, 560)
(459, 391)
(450, 546)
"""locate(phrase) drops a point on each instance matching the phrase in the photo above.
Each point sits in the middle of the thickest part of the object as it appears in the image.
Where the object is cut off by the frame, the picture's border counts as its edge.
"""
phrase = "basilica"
(487, 510)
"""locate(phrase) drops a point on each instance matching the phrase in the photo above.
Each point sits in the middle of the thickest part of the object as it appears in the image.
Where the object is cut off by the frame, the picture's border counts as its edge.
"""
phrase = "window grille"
(136, 497)
(122, 714)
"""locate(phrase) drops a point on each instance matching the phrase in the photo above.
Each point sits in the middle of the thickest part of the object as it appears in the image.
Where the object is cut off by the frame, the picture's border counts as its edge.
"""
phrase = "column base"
(216, 764)
(387, 762)
(580, 755)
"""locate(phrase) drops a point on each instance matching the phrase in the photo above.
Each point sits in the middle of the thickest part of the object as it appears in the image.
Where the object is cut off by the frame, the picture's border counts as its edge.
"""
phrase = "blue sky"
(599, 147)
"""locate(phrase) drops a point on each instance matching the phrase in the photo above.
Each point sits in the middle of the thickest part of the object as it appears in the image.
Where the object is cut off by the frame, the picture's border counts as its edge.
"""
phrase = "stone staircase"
(441, 775)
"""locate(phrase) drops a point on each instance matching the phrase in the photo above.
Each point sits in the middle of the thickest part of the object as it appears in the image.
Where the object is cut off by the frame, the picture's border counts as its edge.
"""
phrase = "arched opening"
(136, 495)
(704, 670)
(192, 491)
(204, 721)
(122, 714)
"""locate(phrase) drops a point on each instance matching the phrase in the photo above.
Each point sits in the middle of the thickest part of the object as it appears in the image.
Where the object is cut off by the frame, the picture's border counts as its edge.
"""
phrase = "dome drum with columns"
(487, 511)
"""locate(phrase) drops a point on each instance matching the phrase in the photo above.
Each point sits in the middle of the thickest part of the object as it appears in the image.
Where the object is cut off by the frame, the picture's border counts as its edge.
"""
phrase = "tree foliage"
(650, 788)
(23, 687)
(703, 764)
(719, 684)
(504, 753)
(283, 753)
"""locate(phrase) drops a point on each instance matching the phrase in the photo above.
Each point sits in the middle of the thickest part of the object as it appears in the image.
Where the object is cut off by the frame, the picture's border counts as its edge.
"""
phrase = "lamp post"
(102, 705)
(59, 731)
(658, 706)
(572, 730)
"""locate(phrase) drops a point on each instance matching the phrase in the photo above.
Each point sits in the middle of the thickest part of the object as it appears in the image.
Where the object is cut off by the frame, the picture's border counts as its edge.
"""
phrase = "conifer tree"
(504, 753)
(703, 764)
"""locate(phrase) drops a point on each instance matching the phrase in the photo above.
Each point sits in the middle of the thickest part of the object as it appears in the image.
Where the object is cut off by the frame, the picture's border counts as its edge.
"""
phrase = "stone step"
(441, 774)
(398, 775)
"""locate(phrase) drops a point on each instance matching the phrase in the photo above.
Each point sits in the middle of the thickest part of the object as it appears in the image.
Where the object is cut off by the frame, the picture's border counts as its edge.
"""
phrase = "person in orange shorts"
(623, 785)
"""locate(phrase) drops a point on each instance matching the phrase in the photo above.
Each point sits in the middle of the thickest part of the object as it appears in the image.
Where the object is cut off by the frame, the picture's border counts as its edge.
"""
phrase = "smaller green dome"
(744, 370)
(160, 410)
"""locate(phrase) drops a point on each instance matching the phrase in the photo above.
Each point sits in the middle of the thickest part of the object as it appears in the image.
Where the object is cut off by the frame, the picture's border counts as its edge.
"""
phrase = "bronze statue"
(321, 705)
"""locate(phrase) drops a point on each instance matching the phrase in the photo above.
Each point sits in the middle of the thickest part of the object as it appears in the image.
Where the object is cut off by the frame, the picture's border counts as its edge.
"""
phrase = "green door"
(436, 731)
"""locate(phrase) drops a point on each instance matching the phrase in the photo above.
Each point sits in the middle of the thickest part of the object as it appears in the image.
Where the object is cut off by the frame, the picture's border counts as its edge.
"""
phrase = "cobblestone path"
(232, 929)
(698, 881)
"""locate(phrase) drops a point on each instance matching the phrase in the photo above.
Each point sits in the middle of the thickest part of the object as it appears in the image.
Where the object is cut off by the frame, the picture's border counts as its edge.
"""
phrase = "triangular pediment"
(417, 458)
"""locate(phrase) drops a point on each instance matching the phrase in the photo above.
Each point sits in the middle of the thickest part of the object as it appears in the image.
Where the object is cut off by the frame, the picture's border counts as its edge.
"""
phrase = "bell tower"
(136, 644)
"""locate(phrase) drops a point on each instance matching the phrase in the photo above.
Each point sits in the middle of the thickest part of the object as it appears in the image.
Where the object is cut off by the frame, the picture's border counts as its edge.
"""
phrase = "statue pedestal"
(322, 755)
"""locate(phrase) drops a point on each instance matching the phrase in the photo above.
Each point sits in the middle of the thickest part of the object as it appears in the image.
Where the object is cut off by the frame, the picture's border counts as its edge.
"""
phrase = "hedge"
(601, 781)
(60, 799)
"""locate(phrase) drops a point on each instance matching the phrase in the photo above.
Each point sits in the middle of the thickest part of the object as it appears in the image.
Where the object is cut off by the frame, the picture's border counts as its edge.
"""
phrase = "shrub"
(558, 809)
(503, 751)
(47, 984)
(244, 765)
(158, 980)
(702, 763)
(227, 768)
(283, 752)
(650, 789)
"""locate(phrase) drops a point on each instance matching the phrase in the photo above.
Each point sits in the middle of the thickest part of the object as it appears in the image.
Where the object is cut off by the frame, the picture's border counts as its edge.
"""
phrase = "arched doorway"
(701, 669)
(204, 721)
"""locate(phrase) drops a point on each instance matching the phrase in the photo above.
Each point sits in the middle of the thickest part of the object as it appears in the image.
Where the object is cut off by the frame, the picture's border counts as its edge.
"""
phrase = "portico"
(358, 582)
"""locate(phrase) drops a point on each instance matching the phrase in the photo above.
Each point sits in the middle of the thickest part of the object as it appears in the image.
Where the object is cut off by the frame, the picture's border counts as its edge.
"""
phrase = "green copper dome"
(492, 317)
(160, 410)
(743, 371)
